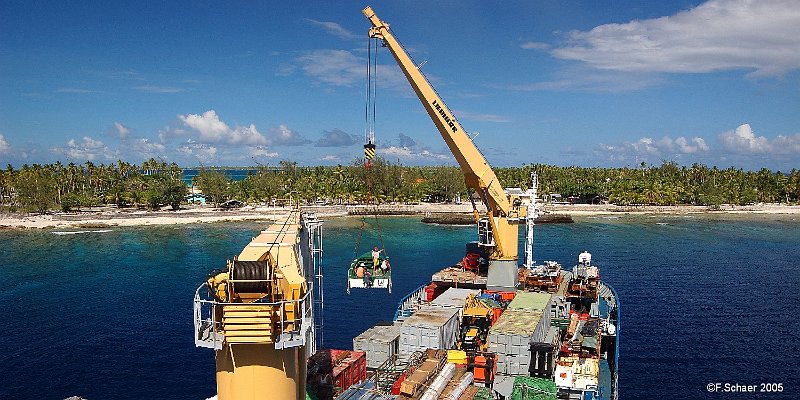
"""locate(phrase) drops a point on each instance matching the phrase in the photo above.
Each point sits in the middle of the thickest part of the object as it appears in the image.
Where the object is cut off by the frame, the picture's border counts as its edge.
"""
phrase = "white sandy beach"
(107, 216)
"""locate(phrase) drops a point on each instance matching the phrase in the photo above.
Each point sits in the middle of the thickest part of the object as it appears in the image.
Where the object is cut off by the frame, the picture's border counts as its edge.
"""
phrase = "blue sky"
(589, 83)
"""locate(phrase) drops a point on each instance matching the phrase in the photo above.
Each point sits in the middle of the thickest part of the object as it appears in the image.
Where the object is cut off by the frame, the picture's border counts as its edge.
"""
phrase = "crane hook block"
(369, 151)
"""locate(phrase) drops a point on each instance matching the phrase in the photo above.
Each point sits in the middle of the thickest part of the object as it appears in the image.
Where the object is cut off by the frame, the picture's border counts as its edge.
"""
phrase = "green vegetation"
(667, 184)
(157, 184)
(69, 187)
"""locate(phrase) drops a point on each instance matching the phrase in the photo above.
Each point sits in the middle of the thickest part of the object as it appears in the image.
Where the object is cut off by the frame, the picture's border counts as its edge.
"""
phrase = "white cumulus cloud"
(788, 144)
(88, 148)
(209, 125)
(414, 154)
(215, 131)
(121, 130)
(743, 140)
(202, 152)
(261, 151)
(647, 147)
(757, 35)
(147, 148)
(697, 145)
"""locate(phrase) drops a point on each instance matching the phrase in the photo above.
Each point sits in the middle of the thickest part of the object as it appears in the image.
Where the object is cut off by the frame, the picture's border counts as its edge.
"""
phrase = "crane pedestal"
(502, 275)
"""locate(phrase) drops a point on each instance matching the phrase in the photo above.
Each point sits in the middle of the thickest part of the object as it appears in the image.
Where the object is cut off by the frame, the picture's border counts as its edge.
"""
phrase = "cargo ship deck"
(555, 337)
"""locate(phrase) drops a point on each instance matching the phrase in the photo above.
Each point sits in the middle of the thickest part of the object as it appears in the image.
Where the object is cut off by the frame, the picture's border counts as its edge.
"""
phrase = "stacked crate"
(329, 369)
(430, 327)
(454, 298)
(525, 320)
(349, 367)
(379, 342)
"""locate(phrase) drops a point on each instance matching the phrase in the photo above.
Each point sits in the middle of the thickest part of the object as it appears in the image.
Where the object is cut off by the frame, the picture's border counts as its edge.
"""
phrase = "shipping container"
(532, 301)
(379, 342)
(454, 297)
(329, 368)
(510, 337)
(429, 328)
(349, 367)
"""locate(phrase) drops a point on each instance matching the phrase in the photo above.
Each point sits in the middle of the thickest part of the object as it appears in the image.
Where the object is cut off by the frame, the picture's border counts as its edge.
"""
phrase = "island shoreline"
(104, 217)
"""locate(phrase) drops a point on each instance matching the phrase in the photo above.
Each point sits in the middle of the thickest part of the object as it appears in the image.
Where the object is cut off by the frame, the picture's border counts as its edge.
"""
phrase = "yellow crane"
(258, 314)
(498, 228)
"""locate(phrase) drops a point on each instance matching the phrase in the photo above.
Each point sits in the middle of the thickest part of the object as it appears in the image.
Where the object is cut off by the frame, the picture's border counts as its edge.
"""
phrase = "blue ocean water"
(233, 174)
(107, 315)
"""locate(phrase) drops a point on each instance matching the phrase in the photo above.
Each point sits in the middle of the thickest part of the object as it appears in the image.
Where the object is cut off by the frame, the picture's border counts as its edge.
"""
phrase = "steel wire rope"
(358, 241)
(368, 93)
(373, 77)
(380, 235)
(369, 132)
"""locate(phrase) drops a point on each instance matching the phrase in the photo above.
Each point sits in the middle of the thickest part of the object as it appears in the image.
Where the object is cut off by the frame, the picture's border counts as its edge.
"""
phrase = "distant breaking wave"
(77, 232)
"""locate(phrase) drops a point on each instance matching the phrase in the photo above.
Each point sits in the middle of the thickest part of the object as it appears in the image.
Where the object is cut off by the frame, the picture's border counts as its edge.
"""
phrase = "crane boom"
(504, 212)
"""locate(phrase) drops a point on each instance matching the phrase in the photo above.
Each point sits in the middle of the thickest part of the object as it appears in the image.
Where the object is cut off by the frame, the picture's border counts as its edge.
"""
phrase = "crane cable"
(369, 109)
(369, 115)
(372, 94)
(361, 235)
(369, 136)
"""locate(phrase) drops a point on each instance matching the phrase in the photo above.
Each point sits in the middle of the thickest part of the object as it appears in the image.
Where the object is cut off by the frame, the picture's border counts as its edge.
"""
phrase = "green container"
(530, 301)
(530, 388)
(484, 394)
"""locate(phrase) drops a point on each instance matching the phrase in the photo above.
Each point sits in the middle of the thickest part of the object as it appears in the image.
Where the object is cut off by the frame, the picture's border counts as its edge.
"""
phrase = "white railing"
(485, 234)
(407, 305)
(207, 329)
(289, 332)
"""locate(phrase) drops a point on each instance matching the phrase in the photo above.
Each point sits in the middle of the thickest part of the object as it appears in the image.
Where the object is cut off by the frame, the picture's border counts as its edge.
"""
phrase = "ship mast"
(529, 198)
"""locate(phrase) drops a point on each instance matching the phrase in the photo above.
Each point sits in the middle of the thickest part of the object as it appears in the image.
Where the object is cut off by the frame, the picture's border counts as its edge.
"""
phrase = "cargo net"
(531, 388)
(393, 371)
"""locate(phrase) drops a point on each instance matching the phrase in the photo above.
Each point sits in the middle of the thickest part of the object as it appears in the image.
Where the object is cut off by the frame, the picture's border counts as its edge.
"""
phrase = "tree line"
(43, 187)
(155, 184)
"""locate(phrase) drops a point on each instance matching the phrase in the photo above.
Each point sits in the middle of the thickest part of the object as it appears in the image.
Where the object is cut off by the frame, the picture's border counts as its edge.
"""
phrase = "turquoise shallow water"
(108, 314)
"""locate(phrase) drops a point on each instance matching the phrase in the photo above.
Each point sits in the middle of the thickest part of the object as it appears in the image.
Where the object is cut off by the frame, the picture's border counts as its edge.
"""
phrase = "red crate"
(396, 386)
(352, 368)
(433, 291)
